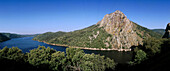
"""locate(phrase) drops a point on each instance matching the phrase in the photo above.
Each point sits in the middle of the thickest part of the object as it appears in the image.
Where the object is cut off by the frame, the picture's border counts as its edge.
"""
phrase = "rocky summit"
(114, 32)
(118, 25)
(167, 31)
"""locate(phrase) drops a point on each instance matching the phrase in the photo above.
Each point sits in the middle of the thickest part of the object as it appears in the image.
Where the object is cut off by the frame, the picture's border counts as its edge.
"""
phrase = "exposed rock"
(118, 25)
(167, 31)
(95, 36)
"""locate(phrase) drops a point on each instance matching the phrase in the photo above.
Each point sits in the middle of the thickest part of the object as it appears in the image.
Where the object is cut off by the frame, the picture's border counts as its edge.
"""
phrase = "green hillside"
(143, 31)
(10, 35)
(77, 38)
(160, 31)
(3, 38)
(47, 37)
(7, 36)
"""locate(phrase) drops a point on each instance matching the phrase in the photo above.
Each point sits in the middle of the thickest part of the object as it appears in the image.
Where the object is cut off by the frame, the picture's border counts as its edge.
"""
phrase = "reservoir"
(26, 44)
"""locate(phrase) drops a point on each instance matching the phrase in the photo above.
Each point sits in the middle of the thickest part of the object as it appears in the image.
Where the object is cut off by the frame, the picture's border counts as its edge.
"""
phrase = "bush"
(140, 56)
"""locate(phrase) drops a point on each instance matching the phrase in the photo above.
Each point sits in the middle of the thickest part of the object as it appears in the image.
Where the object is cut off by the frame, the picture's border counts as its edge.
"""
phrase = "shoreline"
(85, 48)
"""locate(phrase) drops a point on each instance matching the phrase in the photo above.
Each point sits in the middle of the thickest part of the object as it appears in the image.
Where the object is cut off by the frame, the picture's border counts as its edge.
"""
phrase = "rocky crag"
(122, 29)
(167, 31)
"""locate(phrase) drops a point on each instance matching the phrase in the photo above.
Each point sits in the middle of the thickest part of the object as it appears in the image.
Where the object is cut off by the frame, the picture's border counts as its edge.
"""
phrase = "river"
(26, 44)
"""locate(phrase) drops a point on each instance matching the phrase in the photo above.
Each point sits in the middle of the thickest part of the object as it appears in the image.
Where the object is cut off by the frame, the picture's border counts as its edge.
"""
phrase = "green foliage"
(57, 61)
(13, 53)
(87, 62)
(140, 56)
(47, 37)
(152, 45)
(74, 59)
(39, 56)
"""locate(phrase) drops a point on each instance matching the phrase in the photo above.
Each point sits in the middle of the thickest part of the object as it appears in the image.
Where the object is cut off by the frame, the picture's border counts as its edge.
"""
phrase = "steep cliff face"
(167, 31)
(122, 29)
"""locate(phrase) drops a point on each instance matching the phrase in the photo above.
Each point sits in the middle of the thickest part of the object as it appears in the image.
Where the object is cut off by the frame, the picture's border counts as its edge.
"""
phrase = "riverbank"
(86, 48)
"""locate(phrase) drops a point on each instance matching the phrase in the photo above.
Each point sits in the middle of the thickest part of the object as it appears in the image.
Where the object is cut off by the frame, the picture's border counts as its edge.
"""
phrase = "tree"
(58, 60)
(13, 53)
(40, 56)
(152, 46)
(140, 56)
(47, 58)
(78, 60)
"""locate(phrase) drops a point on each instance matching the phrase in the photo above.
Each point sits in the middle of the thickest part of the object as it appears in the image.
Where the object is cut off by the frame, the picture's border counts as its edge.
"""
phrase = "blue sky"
(39, 16)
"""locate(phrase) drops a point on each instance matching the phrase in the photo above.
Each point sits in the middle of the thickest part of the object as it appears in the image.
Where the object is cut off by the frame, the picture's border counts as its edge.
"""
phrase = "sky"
(40, 16)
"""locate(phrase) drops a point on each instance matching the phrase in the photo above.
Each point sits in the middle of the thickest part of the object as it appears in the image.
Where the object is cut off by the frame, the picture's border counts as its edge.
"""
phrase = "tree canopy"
(73, 60)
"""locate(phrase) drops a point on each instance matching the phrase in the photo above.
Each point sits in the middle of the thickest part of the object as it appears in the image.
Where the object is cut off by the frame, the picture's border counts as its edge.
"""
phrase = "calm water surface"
(26, 44)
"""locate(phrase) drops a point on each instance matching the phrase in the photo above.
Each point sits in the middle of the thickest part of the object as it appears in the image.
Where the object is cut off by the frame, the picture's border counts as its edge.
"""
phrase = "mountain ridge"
(160, 31)
(114, 31)
(3, 38)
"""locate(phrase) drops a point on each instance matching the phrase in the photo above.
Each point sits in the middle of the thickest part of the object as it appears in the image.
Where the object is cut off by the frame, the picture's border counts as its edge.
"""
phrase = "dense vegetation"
(79, 38)
(153, 55)
(44, 58)
(47, 37)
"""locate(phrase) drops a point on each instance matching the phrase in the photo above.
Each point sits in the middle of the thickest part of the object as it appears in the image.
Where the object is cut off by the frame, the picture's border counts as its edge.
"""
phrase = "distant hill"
(47, 37)
(160, 31)
(7, 36)
(115, 31)
(3, 38)
(12, 35)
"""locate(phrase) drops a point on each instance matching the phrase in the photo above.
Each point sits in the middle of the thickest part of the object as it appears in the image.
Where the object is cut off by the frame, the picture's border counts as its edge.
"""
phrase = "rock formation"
(167, 31)
(118, 25)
